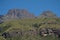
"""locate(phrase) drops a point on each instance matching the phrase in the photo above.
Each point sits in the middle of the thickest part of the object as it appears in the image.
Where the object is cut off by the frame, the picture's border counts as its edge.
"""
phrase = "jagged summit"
(48, 14)
(19, 14)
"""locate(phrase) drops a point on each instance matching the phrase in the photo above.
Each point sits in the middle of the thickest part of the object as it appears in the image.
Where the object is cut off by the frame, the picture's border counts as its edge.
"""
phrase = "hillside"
(29, 27)
(26, 29)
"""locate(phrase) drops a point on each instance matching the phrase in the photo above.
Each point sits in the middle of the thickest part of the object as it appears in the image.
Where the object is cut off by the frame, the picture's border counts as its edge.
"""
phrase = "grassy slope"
(26, 24)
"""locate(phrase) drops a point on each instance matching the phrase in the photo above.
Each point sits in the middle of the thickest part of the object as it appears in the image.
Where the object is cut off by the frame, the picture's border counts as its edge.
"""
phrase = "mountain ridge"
(22, 13)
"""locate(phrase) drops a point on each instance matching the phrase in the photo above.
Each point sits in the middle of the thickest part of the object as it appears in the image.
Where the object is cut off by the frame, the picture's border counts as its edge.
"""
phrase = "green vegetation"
(26, 25)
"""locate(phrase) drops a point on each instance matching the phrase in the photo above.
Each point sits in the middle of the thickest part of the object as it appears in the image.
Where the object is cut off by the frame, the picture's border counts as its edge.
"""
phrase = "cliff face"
(18, 14)
(48, 14)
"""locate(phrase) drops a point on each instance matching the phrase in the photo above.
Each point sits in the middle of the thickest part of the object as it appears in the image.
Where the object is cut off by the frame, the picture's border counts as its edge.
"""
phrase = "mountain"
(34, 28)
(18, 14)
(1, 18)
(48, 14)
(23, 14)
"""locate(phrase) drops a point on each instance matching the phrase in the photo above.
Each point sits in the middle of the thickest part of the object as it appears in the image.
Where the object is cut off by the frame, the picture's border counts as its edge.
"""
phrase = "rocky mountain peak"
(48, 14)
(18, 13)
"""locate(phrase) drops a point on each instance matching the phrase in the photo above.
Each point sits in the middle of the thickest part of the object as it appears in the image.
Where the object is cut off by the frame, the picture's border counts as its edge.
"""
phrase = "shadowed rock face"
(48, 14)
(18, 14)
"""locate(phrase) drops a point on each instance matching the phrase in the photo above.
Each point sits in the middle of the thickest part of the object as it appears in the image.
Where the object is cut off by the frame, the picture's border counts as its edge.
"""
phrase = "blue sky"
(34, 6)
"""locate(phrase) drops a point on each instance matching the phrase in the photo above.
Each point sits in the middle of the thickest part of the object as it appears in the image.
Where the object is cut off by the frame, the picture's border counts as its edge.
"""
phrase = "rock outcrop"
(18, 14)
